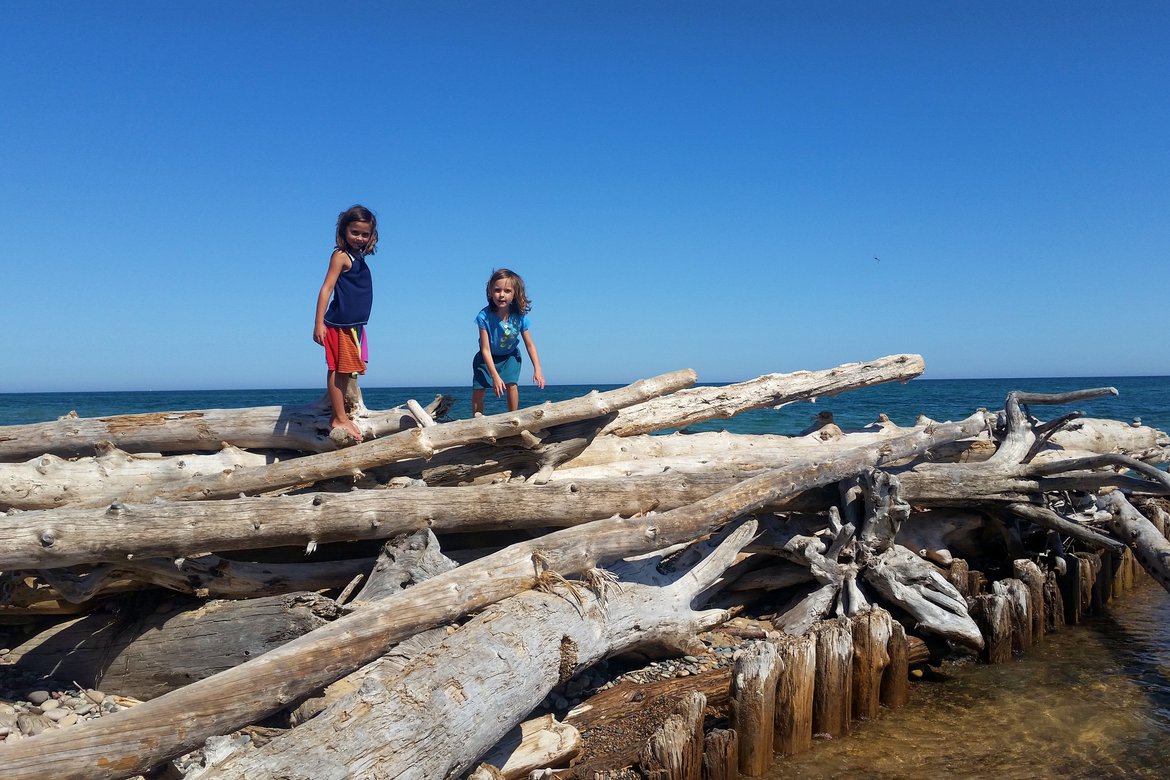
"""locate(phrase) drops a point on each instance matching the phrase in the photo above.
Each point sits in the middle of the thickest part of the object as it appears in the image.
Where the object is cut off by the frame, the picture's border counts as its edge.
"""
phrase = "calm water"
(1090, 701)
(940, 399)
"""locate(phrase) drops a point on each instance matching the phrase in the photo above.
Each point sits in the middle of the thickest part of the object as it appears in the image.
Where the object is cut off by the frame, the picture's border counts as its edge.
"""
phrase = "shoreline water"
(1145, 398)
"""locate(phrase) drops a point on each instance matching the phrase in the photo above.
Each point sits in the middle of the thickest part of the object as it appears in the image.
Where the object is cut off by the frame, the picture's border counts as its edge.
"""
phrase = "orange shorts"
(346, 350)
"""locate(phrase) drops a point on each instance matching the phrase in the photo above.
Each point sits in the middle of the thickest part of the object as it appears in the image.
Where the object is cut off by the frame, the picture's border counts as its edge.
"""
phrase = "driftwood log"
(303, 427)
(139, 738)
(457, 701)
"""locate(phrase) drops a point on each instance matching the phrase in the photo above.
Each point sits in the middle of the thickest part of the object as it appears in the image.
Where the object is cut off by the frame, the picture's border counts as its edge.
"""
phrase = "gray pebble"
(57, 715)
(38, 697)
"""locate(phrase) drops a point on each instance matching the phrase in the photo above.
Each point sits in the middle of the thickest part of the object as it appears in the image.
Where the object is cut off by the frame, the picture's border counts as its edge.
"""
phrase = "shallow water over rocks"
(1090, 701)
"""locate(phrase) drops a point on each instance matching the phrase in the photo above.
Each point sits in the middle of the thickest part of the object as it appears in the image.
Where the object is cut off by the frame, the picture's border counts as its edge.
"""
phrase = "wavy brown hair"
(520, 302)
(357, 214)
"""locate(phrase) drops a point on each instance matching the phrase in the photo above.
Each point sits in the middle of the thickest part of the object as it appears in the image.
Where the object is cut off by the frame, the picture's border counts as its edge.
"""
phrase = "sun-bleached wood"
(303, 427)
(414, 443)
(455, 702)
(139, 738)
(771, 390)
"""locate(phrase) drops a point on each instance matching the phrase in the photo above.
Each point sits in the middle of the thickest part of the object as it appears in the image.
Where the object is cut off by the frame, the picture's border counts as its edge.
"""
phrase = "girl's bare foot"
(350, 429)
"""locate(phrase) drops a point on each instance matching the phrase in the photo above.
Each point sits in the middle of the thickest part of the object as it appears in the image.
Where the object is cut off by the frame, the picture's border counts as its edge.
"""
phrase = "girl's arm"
(537, 374)
(339, 261)
(485, 351)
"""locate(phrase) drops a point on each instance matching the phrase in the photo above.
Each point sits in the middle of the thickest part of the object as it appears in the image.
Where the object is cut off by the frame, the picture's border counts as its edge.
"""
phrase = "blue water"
(1147, 398)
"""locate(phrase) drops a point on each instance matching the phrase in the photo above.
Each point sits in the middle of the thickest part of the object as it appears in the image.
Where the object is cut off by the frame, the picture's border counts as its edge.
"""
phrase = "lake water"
(1090, 701)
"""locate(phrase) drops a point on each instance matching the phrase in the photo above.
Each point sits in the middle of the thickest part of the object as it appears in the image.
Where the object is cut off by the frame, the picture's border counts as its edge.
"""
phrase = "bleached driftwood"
(771, 390)
(460, 699)
(139, 738)
(414, 443)
(1149, 546)
(300, 427)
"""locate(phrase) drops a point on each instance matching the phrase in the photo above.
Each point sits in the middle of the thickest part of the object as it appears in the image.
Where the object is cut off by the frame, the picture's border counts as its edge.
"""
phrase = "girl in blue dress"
(502, 325)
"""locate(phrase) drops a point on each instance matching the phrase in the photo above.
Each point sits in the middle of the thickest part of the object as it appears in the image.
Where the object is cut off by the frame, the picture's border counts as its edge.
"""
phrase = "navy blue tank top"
(353, 295)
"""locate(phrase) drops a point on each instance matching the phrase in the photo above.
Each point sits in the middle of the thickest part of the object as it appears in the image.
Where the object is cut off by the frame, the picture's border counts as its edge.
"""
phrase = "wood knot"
(48, 538)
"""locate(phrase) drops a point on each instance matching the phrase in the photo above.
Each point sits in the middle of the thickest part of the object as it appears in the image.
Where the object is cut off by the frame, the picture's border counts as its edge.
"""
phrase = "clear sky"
(737, 187)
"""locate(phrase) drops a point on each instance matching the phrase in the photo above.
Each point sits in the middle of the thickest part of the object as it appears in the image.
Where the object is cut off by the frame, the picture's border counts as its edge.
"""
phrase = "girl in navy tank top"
(340, 324)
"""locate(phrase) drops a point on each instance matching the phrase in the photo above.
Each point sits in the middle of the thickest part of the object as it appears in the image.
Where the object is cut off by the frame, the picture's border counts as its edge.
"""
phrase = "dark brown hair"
(357, 214)
(520, 302)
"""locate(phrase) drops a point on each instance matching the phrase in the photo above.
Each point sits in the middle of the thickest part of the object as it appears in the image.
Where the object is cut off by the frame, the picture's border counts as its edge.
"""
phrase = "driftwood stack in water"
(551, 592)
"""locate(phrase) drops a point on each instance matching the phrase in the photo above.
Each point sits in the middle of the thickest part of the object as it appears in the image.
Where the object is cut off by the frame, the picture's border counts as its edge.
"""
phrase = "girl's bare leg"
(513, 398)
(477, 401)
(336, 384)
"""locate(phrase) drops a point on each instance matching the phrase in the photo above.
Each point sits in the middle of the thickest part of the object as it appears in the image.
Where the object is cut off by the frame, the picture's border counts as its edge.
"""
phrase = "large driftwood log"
(771, 390)
(301, 427)
(457, 701)
(147, 655)
(205, 576)
(1149, 546)
(49, 481)
(137, 739)
(414, 443)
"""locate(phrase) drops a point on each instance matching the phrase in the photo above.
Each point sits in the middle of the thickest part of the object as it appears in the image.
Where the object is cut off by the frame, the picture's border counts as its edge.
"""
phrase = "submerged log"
(295, 427)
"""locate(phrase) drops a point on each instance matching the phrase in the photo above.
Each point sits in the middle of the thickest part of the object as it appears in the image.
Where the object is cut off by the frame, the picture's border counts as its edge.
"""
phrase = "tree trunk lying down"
(414, 443)
(771, 390)
(295, 427)
(139, 738)
(457, 701)
(164, 650)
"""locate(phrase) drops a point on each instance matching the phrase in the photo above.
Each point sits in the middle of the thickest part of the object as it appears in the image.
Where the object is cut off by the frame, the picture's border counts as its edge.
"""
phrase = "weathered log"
(895, 683)
(145, 656)
(871, 636)
(771, 390)
(1033, 578)
(204, 576)
(49, 481)
(614, 721)
(675, 750)
(294, 427)
(833, 691)
(753, 693)
(137, 739)
(1053, 602)
(458, 700)
(794, 694)
(721, 755)
(993, 614)
(1149, 547)
(1016, 593)
(413, 443)
(540, 742)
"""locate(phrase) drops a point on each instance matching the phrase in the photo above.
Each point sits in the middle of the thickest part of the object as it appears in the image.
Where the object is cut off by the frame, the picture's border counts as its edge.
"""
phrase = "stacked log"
(527, 559)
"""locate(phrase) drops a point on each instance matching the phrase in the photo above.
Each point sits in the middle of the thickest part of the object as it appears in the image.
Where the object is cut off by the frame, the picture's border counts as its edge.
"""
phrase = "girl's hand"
(498, 386)
(319, 334)
(538, 378)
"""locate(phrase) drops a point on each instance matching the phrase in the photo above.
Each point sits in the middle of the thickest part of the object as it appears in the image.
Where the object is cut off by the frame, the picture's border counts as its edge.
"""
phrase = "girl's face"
(502, 294)
(357, 234)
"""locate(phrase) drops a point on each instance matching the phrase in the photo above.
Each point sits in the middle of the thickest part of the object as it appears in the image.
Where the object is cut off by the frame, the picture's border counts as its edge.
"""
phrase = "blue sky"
(683, 184)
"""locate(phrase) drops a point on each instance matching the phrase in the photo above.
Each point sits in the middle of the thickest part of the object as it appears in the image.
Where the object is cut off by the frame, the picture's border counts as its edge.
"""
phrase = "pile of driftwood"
(406, 605)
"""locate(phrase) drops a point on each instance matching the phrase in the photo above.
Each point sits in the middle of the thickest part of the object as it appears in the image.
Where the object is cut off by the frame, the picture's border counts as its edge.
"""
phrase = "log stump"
(833, 689)
(794, 694)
